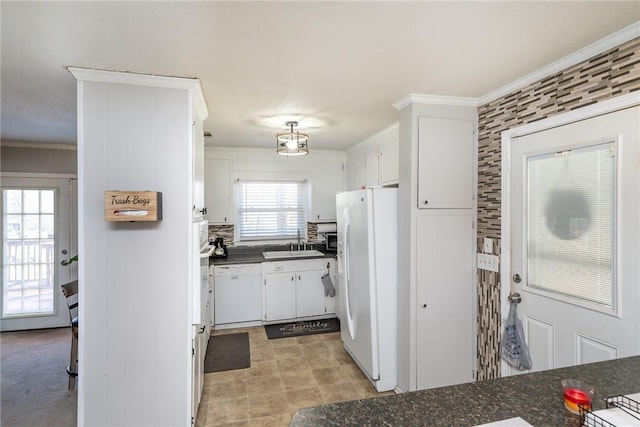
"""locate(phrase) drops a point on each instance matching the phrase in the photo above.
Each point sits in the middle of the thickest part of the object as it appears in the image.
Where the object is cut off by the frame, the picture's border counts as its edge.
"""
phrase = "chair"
(70, 291)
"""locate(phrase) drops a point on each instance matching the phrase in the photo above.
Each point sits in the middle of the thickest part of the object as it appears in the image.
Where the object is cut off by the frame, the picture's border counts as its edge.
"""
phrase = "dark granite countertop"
(253, 254)
(536, 398)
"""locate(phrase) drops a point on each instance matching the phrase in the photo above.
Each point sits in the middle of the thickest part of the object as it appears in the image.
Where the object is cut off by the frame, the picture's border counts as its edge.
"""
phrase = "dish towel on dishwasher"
(329, 290)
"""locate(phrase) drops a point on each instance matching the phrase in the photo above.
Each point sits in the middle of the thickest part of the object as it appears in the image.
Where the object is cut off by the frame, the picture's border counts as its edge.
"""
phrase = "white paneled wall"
(135, 333)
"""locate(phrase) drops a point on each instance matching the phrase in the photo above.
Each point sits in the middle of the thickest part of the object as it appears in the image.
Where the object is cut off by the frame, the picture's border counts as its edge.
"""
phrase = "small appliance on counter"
(331, 240)
(220, 248)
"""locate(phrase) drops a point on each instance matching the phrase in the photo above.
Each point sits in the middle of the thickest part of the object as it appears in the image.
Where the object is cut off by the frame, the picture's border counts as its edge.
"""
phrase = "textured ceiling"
(335, 66)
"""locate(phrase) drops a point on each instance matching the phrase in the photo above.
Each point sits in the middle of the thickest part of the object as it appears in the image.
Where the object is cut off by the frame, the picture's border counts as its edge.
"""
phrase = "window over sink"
(271, 210)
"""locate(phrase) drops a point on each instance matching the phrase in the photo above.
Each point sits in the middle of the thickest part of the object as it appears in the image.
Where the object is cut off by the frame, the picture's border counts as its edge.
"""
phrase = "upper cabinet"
(371, 168)
(357, 174)
(217, 188)
(388, 163)
(445, 163)
(327, 181)
(199, 206)
(375, 163)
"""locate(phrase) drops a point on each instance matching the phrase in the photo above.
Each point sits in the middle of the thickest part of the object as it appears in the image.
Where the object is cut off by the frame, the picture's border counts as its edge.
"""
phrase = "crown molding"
(602, 45)
(190, 84)
(38, 145)
(415, 98)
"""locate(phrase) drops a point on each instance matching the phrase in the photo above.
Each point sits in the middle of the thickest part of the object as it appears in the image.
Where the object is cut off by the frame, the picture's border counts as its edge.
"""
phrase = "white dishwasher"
(238, 293)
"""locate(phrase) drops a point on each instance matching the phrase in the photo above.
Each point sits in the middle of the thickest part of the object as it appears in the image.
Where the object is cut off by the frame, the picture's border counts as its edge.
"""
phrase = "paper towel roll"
(327, 227)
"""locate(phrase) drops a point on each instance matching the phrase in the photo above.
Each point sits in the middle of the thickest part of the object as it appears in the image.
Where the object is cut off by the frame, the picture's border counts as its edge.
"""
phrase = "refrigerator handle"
(347, 279)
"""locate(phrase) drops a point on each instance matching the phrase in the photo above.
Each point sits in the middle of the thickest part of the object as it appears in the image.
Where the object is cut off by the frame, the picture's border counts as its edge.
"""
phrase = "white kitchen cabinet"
(217, 191)
(358, 171)
(445, 163)
(294, 289)
(436, 244)
(371, 168)
(279, 296)
(389, 163)
(310, 293)
(444, 297)
(198, 170)
(327, 181)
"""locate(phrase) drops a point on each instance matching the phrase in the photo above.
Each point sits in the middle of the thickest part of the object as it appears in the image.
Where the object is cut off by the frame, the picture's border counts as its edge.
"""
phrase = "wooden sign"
(132, 206)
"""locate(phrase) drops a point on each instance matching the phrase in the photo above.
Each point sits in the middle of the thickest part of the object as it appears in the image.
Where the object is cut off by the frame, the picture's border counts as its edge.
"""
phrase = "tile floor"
(285, 374)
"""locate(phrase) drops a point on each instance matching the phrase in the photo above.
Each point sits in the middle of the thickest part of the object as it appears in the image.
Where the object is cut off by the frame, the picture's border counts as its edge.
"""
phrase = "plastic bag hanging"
(513, 348)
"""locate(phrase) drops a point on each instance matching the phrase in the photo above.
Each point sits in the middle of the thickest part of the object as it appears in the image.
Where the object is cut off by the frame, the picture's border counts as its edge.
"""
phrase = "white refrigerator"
(368, 281)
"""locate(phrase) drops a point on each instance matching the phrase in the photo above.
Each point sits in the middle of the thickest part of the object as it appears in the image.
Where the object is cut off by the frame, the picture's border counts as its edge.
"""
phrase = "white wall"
(135, 332)
(38, 158)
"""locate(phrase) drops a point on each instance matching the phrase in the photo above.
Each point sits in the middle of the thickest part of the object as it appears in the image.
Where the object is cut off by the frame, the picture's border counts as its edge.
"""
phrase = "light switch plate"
(488, 262)
(488, 245)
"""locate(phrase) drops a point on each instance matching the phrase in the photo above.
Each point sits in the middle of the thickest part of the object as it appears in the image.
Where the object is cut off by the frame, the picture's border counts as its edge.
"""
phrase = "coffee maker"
(221, 248)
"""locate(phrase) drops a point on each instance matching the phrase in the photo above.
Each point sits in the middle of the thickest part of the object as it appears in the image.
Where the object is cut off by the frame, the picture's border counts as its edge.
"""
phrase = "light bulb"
(292, 144)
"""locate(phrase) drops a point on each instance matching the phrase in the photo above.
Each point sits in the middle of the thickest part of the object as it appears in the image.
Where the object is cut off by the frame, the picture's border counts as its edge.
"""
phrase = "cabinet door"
(217, 190)
(359, 172)
(389, 163)
(444, 296)
(280, 296)
(310, 293)
(445, 163)
(198, 169)
(327, 181)
(371, 168)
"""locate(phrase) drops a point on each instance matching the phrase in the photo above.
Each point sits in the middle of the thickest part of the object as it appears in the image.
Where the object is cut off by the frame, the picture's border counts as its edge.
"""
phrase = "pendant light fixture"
(292, 143)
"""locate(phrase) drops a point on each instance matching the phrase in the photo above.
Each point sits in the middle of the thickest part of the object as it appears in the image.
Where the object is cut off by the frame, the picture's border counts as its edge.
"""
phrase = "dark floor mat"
(227, 352)
(306, 327)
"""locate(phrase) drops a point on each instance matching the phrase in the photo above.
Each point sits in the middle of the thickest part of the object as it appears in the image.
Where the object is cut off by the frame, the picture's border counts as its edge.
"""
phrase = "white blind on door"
(571, 224)
(271, 210)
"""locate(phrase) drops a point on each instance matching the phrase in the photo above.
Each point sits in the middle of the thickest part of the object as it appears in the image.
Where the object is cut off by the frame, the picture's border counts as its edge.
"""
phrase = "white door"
(575, 239)
(357, 286)
(39, 223)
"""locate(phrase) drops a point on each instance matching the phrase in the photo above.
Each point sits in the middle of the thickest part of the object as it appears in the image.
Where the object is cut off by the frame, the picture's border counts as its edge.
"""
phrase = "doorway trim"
(507, 136)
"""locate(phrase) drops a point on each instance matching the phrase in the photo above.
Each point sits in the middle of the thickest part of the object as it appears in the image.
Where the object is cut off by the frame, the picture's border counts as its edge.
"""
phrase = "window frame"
(303, 198)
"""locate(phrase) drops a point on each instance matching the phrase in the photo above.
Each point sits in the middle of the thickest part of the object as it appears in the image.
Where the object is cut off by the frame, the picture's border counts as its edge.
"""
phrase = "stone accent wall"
(607, 75)
(225, 231)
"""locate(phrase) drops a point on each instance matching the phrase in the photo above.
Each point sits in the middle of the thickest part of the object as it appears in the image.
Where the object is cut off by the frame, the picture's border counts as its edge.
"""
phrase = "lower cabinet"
(279, 296)
(294, 289)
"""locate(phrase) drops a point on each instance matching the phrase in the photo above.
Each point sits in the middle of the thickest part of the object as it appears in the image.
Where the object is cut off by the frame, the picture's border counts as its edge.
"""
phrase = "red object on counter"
(574, 397)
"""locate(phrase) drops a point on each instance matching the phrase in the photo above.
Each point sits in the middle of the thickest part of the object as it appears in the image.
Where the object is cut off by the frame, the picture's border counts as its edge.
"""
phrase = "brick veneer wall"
(609, 74)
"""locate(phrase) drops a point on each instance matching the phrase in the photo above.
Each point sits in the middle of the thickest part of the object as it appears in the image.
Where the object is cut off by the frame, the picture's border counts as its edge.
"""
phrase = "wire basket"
(624, 403)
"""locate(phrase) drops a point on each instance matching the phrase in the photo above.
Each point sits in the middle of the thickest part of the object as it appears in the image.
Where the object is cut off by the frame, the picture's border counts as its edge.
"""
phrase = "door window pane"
(28, 251)
(570, 224)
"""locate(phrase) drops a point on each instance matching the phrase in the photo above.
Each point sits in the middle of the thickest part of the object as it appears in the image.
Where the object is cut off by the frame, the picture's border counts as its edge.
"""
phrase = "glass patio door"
(37, 222)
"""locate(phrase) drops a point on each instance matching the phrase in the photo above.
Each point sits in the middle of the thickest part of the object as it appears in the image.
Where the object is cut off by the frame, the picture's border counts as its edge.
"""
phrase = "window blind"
(571, 224)
(271, 210)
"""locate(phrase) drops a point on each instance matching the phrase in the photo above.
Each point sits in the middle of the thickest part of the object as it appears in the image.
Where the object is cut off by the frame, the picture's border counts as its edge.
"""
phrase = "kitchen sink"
(291, 254)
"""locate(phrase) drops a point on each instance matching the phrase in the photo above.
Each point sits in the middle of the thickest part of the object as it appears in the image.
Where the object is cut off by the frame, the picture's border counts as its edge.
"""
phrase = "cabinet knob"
(203, 211)
(426, 202)
(424, 305)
